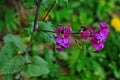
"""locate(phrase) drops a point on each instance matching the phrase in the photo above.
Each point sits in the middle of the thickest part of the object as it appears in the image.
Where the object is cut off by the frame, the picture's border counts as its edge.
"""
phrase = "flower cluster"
(62, 40)
(97, 39)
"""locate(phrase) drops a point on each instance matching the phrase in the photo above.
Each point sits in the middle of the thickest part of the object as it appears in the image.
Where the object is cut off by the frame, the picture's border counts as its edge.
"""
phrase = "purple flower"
(59, 30)
(64, 31)
(87, 33)
(93, 40)
(104, 28)
(67, 31)
(96, 44)
(102, 25)
(60, 49)
(62, 43)
(98, 47)
(99, 38)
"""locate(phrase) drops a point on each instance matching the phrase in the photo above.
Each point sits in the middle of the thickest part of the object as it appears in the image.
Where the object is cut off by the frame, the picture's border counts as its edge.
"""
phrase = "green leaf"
(16, 40)
(7, 77)
(45, 25)
(29, 3)
(62, 3)
(45, 36)
(53, 67)
(12, 65)
(11, 22)
(80, 65)
(37, 67)
(10, 61)
(9, 50)
(75, 56)
(84, 19)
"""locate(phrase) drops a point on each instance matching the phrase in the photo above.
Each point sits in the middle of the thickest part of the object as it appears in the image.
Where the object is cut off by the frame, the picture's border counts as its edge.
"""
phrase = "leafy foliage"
(10, 66)
(45, 37)
(37, 67)
(8, 57)
(43, 62)
(7, 77)
(10, 21)
(16, 40)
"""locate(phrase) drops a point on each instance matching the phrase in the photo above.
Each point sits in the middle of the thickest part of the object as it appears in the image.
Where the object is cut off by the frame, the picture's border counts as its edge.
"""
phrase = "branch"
(79, 32)
(49, 11)
(37, 14)
(34, 26)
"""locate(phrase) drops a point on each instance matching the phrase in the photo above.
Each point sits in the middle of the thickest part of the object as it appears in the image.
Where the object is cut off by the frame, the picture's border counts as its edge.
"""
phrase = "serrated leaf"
(12, 65)
(9, 60)
(45, 25)
(38, 67)
(16, 40)
(46, 36)
(9, 49)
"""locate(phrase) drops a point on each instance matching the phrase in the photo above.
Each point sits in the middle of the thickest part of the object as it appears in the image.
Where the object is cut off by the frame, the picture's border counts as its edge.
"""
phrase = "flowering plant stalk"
(97, 39)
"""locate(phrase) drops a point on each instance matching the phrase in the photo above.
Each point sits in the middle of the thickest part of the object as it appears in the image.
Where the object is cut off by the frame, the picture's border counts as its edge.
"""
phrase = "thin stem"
(37, 13)
(34, 27)
(44, 30)
(55, 32)
(49, 10)
(76, 32)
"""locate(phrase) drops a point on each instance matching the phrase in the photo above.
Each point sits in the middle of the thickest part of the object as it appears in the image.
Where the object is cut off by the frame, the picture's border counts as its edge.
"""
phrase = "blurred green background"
(79, 62)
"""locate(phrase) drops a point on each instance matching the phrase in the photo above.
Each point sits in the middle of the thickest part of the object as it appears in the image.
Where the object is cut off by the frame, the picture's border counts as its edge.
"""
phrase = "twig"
(79, 32)
(49, 11)
(34, 27)
(44, 30)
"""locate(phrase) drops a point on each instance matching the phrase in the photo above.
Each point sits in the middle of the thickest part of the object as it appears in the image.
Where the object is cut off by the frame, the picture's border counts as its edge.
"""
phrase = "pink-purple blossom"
(62, 43)
(99, 38)
(96, 44)
(64, 31)
(85, 35)
(88, 31)
(62, 39)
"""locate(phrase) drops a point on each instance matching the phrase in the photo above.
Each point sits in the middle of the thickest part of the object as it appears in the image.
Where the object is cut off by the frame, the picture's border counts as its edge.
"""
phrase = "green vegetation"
(26, 54)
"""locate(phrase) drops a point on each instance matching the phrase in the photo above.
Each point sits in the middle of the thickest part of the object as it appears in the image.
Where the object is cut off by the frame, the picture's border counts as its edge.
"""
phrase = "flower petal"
(93, 40)
(66, 40)
(98, 47)
(58, 41)
(97, 36)
(58, 30)
(102, 25)
(67, 31)
(105, 31)
(59, 49)
(85, 35)
(91, 31)
(67, 45)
